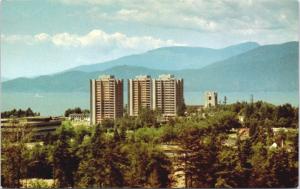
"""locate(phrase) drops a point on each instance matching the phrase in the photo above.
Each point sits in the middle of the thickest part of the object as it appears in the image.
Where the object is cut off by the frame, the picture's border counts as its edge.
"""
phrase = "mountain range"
(245, 67)
(174, 58)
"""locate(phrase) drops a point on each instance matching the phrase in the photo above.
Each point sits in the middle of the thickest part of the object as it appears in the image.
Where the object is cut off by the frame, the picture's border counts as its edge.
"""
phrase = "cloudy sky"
(42, 37)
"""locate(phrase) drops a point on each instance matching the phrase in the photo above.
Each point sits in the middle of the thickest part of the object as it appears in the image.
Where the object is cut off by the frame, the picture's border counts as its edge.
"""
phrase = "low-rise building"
(37, 127)
(241, 118)
(243, 133)
(79, 117)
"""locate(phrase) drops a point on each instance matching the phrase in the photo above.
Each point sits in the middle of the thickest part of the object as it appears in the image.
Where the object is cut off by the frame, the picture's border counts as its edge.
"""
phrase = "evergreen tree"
(63, 160)
(259, 173)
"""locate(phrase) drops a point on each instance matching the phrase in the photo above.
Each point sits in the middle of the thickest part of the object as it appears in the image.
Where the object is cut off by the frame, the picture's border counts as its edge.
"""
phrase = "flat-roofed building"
(79, 117)
(37, 127)
(167, 94)
(139, 94)
(106, 98)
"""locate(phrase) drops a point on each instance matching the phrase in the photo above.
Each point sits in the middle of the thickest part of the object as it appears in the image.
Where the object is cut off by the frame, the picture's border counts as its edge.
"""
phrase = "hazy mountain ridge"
(266, 68)
(175, 58)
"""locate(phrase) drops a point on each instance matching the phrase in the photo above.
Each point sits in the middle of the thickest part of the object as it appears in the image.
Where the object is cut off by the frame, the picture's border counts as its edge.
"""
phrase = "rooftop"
(106, 77)
(142, 77)
(166, 76)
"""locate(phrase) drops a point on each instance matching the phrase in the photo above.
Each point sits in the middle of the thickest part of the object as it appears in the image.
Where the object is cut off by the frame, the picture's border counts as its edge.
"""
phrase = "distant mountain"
(175, 58)
(266, 68)
(72, 81)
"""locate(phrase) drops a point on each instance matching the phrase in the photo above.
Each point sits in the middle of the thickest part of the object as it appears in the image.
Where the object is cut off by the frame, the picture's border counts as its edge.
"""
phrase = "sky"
(49, 36)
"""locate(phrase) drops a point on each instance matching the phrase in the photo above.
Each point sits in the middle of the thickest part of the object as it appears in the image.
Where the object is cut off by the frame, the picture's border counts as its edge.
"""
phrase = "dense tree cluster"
(252, 162)
(87, 157)
(76, 110)
(209, 162)
(278, 116)
(129, 152)
(19, 113)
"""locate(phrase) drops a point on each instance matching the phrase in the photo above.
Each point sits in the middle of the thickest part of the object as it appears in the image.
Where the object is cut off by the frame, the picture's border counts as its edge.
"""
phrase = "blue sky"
(42, 37)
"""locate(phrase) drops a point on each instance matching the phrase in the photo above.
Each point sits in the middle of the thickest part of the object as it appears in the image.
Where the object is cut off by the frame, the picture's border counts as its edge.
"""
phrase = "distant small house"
(274, 145)
(241, 118)
(280, 135)
(279, 129)
(79, 117)
(243, 133)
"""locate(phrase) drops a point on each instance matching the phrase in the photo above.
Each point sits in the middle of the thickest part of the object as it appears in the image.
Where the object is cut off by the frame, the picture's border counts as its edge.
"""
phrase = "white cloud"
(69, 49)
(41, 37)
(94, 39)
(66, 39)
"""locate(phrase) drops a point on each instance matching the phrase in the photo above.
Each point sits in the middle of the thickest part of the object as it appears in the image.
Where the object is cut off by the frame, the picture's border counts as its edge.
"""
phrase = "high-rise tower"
(139, 94)
(106, 98)
(167, 95)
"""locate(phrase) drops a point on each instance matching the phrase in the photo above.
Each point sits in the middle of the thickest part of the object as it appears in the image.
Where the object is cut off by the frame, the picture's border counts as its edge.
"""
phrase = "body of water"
(56, 103)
